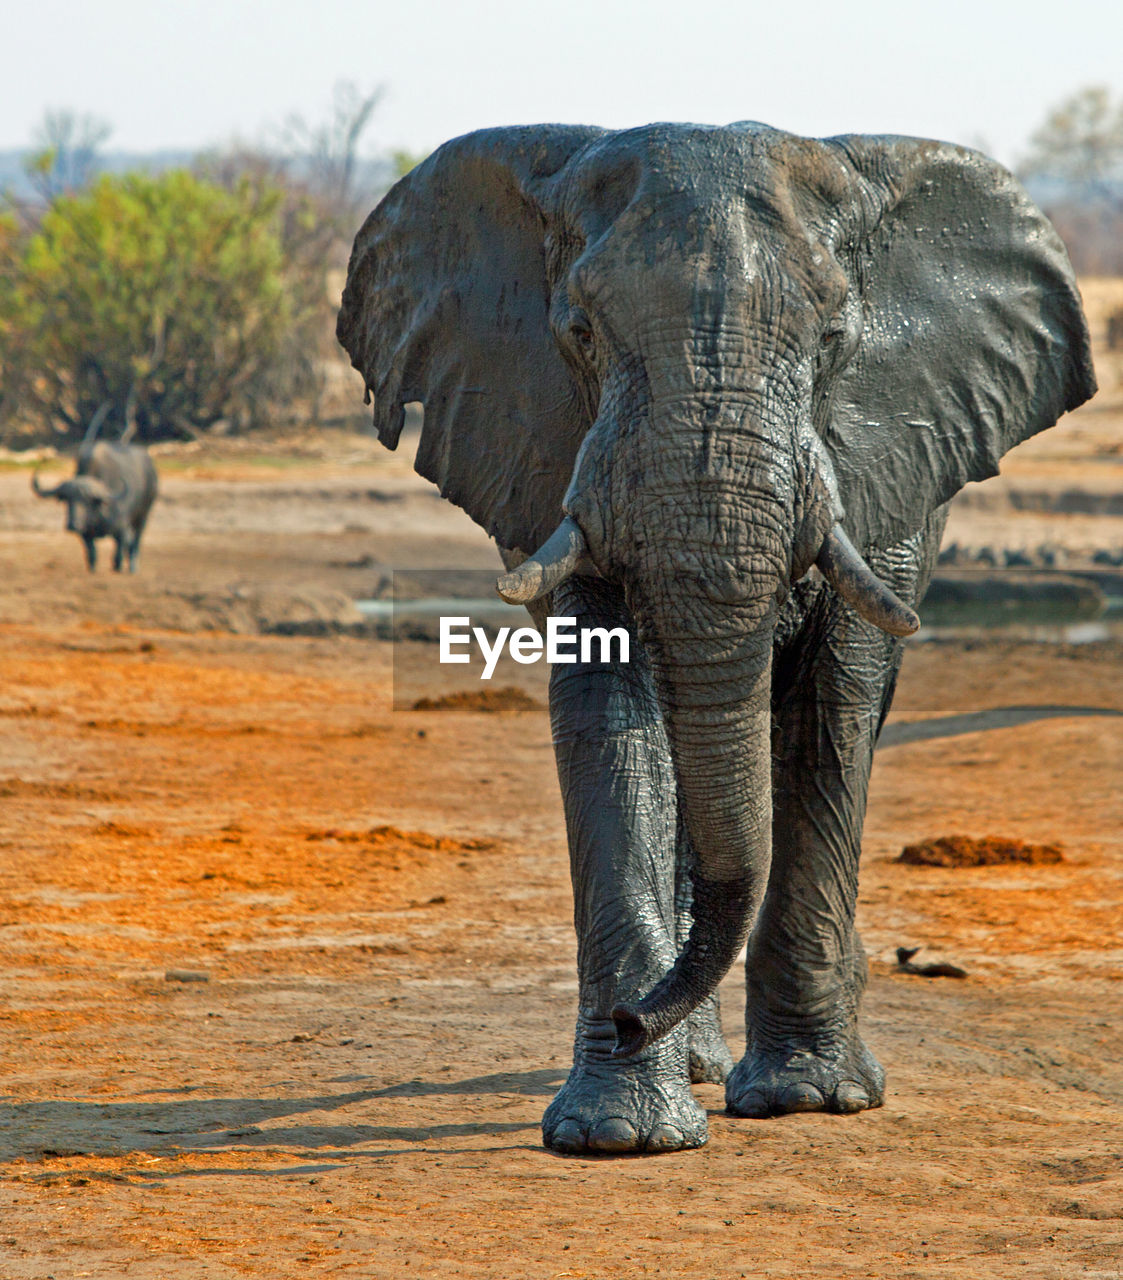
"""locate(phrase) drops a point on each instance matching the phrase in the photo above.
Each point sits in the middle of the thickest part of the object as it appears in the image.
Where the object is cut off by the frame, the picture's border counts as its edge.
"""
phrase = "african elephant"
(725, 381)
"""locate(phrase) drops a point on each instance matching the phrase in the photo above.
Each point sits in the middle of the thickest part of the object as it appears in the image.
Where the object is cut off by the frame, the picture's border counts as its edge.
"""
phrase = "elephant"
(716, 385)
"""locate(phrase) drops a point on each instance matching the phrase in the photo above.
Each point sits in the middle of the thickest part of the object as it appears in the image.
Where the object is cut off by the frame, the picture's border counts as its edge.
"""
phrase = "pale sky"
(195, 74)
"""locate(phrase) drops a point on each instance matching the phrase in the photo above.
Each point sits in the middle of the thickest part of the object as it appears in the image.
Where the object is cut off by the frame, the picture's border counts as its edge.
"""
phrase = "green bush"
(164, 298)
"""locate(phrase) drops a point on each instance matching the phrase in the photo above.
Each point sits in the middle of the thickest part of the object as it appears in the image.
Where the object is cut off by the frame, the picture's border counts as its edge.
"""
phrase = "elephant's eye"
(582, 335)
(829, 336)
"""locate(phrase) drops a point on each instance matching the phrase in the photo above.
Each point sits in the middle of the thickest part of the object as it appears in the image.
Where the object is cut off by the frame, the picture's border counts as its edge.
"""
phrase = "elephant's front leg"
(805, 967)
(618, 788)
(833, 682)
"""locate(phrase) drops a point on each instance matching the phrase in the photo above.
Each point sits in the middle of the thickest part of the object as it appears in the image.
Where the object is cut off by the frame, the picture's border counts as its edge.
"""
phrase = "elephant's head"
(701, 360)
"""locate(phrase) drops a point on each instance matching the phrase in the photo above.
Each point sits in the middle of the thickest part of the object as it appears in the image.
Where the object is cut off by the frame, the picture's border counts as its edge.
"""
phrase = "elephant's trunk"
(723, 913)
(38, 488)
(718, 722)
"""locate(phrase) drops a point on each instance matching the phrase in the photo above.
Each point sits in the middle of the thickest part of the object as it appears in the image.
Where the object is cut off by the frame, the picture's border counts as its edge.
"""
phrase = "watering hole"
(1049, 609)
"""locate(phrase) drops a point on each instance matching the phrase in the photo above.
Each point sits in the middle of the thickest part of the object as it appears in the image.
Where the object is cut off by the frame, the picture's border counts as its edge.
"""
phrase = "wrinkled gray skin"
(109, 496)
(707, 346)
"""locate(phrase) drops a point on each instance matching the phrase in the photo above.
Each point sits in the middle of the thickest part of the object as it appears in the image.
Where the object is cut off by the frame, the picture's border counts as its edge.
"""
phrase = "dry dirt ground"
(379, 903)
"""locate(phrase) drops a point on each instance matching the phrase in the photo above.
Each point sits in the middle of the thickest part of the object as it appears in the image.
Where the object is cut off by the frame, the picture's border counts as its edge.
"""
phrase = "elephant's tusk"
(557, 559)
(853, 579)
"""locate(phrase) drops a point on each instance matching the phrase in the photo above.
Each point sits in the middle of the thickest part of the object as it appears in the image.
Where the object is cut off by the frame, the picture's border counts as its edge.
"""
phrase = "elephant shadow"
(900, 732)
(66, 1127)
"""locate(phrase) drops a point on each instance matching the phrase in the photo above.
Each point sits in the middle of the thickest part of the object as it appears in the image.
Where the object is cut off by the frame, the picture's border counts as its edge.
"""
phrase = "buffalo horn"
(92, 489)
(38, 488)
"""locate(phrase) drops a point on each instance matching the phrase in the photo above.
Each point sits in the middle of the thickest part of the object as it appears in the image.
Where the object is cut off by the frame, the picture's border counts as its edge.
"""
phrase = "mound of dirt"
(395, 836)
(493, 700)
(124, 830)
(968, 851)
(21, 788)
(425, 840)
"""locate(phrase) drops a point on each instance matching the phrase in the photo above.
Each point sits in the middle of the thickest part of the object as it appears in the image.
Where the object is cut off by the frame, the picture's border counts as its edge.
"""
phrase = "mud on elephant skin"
(717, 385)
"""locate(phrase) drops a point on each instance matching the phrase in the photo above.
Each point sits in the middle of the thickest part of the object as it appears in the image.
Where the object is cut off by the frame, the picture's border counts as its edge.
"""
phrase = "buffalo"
(109, 496)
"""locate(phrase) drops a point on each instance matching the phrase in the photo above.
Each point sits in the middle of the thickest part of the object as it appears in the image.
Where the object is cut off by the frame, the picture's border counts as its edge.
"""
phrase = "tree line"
(164, 304)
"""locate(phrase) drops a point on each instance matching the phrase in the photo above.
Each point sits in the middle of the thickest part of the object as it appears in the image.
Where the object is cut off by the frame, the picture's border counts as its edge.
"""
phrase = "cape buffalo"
(109, 496)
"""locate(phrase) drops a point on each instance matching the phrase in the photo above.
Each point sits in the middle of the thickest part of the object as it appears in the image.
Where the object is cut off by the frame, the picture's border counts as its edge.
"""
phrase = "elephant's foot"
(710, 1061)
(805, 1071)
(617, 1106)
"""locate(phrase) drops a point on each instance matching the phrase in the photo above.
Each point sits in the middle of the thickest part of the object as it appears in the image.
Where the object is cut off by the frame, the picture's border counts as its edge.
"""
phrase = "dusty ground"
(356, 1089)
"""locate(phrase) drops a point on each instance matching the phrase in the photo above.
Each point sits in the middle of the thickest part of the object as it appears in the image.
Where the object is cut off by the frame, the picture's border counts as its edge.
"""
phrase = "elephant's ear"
(973, 337)
(446, 303)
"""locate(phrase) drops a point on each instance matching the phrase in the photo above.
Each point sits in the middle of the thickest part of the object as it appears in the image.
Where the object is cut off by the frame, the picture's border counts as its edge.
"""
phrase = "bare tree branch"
(66, 155)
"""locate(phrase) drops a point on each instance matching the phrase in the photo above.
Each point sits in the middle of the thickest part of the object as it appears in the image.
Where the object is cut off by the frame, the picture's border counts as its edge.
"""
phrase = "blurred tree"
(65, 154)
(1075, 159)
(314, 241)
(1080, 142)
(326, 190)
(161, 297)
(11, 336)
(325, 157)
(186, 299)
(406, 161)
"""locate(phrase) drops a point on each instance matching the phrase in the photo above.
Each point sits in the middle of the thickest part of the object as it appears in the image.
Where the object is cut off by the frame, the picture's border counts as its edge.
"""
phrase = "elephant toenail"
(850, 1097)
(614, 1134)
(802, 1097)
(665, 1137)
(568, 1137)
(751, 1103)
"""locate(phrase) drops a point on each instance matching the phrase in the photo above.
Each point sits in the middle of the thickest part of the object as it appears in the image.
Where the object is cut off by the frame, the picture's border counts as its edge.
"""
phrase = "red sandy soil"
(380, 902)
(384, 919)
